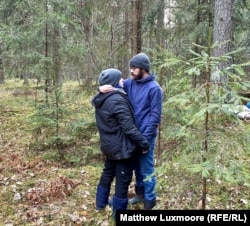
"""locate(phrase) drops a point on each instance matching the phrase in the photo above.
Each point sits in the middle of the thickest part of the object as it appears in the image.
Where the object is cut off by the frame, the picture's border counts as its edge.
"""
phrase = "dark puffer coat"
(115, 120)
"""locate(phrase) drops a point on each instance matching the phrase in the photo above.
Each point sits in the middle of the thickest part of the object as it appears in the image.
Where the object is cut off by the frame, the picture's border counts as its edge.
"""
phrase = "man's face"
(136, 73)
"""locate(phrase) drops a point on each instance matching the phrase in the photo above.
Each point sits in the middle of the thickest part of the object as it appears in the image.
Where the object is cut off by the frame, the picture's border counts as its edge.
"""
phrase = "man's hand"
(105, 88)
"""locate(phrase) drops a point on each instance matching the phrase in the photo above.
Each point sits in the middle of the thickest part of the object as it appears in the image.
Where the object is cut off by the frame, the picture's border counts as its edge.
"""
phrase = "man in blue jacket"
(146, 97)
(120, 140)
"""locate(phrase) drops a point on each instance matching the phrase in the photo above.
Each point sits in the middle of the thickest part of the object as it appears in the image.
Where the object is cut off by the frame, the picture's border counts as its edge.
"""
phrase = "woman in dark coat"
(120, 140)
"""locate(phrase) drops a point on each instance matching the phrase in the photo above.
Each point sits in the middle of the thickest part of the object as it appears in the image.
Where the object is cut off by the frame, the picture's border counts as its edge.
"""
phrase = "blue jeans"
(145, 173)
(122, 171)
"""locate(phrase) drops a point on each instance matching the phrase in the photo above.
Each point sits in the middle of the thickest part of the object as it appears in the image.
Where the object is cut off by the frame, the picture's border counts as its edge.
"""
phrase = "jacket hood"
(99, 98)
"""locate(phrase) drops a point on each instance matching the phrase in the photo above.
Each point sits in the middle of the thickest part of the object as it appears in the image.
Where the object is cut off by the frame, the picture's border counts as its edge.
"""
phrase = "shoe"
(149, 204)
(135, 200)
(118, 204)
(102, 195)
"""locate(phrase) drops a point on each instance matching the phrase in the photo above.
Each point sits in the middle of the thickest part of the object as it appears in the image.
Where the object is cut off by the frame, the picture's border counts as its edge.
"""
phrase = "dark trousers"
(122, 171)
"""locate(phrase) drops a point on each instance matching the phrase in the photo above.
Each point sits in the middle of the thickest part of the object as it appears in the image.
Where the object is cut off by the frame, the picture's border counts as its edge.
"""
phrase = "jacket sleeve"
(126, 120)
(156, 101)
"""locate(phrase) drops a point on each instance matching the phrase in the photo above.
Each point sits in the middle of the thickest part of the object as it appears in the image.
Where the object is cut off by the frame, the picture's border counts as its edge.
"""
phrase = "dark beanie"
(140, 60)
(110, 76)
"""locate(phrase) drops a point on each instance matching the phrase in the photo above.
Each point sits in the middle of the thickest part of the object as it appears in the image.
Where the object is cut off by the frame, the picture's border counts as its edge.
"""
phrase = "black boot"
(102, 196)
(149, 204)
(119, 204)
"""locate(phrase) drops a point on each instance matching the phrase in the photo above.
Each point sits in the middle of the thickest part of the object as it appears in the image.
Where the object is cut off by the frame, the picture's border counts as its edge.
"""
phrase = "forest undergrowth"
(39, 188)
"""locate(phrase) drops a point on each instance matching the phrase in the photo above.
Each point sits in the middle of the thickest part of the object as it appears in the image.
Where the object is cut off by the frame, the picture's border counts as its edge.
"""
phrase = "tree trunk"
(126, 56)
(160, 36)
(136, 27)
(47, 84)
(222, 33)
(1, 71)
(87, 26)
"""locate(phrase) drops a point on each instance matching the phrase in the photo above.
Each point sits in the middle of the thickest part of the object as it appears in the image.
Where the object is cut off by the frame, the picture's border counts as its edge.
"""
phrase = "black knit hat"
(110, 76)
(140, 60)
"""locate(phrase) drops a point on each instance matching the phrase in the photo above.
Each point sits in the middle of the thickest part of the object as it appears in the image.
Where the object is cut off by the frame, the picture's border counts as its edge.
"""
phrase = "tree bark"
(2, 79)
(136, 27)
(222, 32)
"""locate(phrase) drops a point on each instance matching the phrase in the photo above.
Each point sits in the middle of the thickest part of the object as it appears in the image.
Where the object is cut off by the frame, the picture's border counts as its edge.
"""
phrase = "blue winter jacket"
(146, 97)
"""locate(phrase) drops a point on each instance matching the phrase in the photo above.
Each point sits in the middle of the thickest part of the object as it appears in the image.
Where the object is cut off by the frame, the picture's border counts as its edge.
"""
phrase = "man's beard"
(137, 77)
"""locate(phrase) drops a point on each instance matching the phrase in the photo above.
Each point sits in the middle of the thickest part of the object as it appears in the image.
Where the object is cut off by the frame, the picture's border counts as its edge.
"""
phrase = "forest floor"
(36, 190)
